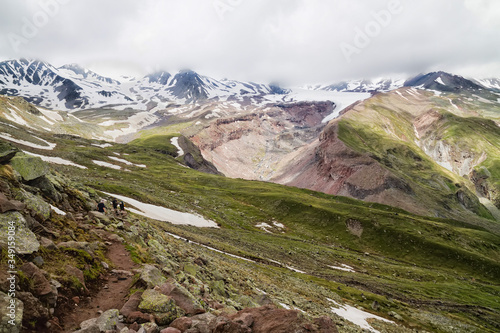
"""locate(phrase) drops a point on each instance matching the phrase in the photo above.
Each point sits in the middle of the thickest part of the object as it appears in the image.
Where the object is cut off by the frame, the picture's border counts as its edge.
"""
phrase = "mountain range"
(71, 87)
(364, 205)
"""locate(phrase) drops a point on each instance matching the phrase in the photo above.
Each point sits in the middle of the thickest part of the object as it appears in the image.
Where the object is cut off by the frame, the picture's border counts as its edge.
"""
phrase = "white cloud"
(293, 41)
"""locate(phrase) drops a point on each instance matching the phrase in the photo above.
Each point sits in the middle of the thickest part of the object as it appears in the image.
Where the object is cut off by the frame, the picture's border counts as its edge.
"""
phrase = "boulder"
(107, 321)
(41, 286)
(29, 167)
(130, 310)
(78, 274)
(163, 307)
(7, 151)
(8, 205)
(269, 319)
(151, 276)
(170, 330)
(182, 297)
(149, 328)
(11, 315)
(34, 310)
(217, 288)
(101, 217)
(201, 323)
(84, 246)
(39, 208)
(47, 188)
(225, 325)
(26, 242)
(182, 323)
(48, 244)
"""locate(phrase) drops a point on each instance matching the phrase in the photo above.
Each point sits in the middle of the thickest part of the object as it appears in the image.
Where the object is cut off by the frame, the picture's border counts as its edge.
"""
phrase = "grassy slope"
(401, 260)
(385, 131)
(399, 255)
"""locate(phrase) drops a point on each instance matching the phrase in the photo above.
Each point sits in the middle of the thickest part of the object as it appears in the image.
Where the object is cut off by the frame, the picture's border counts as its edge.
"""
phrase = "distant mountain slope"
(365, 85)
(407, 148)
(442, 81)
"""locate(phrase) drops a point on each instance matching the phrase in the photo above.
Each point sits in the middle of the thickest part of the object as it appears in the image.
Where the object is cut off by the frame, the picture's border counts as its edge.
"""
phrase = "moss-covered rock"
(162, 306)
(7, 151)
(217, 288)
(39, 207)
(14, 224)
(29, 167)
(151, 276)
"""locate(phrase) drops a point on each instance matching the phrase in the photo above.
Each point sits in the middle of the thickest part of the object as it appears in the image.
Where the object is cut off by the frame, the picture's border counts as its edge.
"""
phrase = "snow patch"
(56, 160)
(127, 162)
(400, 94)
(343, 267)
(175, 142)
(440, 81)
(356, 316)
(107, 165)
(57, 210)
(8, 137)
(103, 145)
(264, 226)
(164, 214)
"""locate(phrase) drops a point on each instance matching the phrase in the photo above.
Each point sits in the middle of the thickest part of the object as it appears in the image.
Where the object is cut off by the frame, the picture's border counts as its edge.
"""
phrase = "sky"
(292, 42)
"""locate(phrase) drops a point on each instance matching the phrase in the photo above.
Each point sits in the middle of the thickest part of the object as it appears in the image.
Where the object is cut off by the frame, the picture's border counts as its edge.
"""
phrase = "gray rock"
(48, 244)
(152, 276)
(35, 204)
(38, 261)
(149, 328)
(47, 188)
(7, 151)
(41, 286)
(101, 217)
(11, 315)
(29, 167)
(8, 205)
(34, 310)
(108, 320)
(163, 307)
(85, 246)
(26, 242)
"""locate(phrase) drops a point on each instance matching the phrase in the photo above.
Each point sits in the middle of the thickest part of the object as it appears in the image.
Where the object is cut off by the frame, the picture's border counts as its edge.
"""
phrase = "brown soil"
(110, 293)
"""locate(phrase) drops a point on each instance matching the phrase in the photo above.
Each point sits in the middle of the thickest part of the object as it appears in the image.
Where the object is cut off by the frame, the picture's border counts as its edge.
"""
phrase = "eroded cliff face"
(328, 165)
(251, 146)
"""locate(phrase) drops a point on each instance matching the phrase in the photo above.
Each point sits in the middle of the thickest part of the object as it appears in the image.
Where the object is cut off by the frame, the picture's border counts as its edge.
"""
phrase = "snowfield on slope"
(164, 214)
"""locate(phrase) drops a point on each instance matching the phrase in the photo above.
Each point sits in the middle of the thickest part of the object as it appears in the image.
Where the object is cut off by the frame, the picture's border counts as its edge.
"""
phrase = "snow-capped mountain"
(442, 81)
(188, 86)
(491, 83)
(72, 87)
(380, 85)
(64, 88)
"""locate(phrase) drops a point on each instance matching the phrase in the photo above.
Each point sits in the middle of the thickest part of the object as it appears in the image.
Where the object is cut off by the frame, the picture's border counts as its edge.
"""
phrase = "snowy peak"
(190, 86)
(78, 72)
(381, 85)
(442, 81)
(161, 77)
(491, 83)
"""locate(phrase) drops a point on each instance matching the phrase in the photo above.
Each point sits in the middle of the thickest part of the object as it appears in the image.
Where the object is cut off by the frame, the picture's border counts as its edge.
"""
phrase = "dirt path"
(111, 292)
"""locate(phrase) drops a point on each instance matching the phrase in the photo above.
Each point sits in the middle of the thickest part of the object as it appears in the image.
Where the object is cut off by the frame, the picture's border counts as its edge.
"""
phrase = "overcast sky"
(288, 41)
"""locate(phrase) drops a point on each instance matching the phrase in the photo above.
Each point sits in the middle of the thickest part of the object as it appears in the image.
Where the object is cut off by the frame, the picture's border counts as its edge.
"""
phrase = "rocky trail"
(109, 293)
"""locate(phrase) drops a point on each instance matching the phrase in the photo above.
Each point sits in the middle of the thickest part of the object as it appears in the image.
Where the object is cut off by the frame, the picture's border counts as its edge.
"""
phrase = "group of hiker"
(101, 206)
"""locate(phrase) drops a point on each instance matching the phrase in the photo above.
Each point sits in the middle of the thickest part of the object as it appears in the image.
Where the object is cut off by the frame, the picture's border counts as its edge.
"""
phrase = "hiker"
(122, 207)
(101, 207)
(115, 206)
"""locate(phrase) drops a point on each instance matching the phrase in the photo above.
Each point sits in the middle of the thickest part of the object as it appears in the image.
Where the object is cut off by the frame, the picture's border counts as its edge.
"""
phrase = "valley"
(377, 210)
